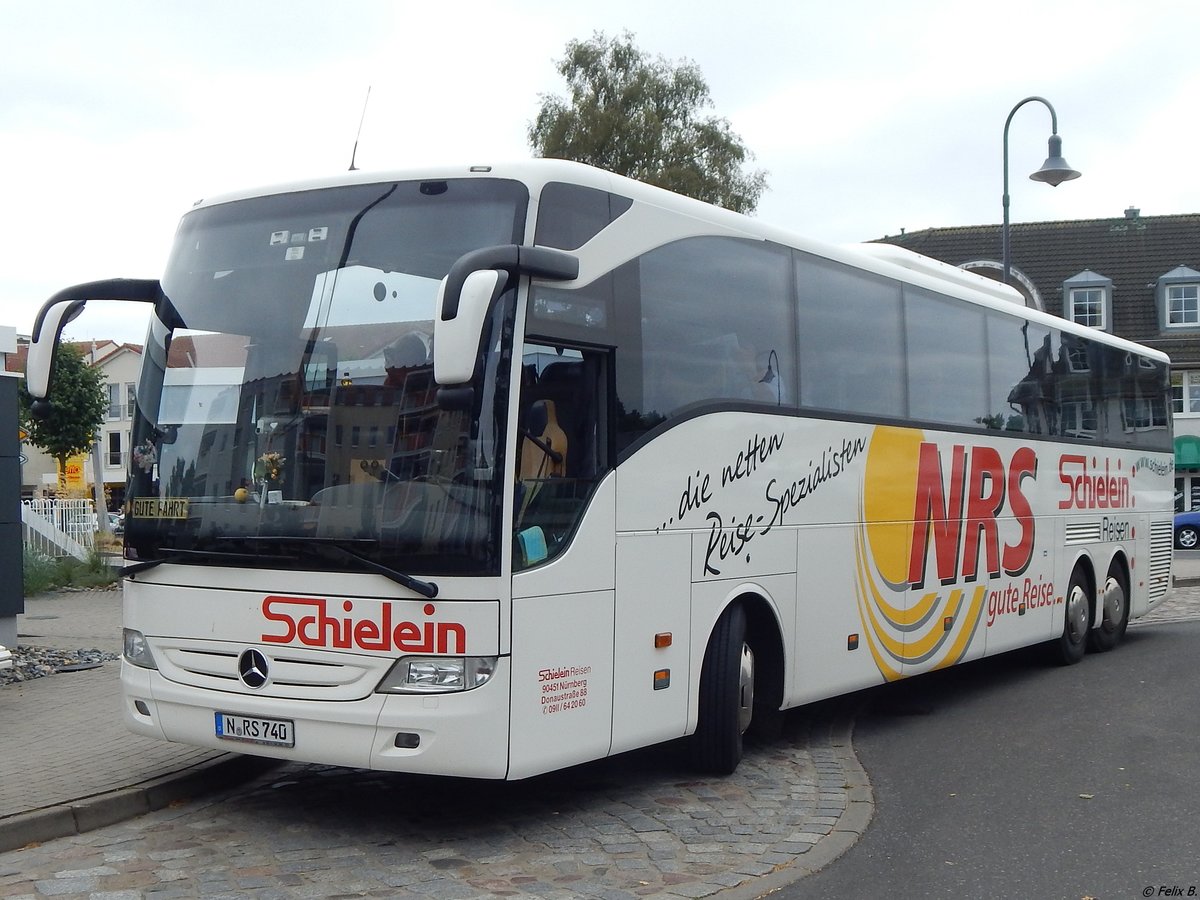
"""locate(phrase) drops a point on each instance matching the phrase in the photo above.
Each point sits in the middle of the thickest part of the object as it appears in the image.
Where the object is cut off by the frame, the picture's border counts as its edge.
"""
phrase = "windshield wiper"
(177, 555)
(338, 550)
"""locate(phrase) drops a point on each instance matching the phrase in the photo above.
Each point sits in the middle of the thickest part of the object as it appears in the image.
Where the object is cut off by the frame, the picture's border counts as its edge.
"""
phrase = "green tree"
(77, 405)
(642, 117)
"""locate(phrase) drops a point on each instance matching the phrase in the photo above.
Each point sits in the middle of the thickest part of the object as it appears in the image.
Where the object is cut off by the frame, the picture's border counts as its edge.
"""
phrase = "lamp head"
(769, 375)
(1054, 170)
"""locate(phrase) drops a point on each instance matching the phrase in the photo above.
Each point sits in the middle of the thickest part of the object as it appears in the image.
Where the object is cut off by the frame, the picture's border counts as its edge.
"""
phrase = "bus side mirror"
(61, 309)
(456, 341)
(53, 317)
(467, 293)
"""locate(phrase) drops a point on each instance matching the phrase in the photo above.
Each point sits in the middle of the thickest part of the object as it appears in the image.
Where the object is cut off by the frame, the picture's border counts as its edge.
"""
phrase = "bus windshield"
(287, 411)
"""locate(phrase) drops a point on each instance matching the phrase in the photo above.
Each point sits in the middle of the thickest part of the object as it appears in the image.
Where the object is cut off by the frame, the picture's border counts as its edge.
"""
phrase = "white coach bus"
(490, 471)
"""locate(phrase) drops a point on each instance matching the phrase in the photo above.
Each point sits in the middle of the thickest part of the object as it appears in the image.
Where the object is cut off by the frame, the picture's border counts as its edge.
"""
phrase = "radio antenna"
(362, 118)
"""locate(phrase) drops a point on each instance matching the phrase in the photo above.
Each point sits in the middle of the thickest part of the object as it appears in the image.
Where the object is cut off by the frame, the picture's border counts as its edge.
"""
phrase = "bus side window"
(561, 450)
(851, 331)
(716, 317)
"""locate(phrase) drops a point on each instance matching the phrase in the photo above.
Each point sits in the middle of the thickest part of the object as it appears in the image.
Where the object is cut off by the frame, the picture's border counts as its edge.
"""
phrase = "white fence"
(59, 527)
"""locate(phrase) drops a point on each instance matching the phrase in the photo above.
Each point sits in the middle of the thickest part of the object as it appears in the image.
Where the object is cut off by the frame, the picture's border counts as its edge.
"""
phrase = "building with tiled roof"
(1135, 276)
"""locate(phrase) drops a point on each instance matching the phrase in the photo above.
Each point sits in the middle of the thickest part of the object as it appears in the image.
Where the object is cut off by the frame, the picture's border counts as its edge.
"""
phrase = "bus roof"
(883, 259)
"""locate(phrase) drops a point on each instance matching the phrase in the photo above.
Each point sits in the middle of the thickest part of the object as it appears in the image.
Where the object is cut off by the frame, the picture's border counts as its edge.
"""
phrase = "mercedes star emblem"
(252, 668)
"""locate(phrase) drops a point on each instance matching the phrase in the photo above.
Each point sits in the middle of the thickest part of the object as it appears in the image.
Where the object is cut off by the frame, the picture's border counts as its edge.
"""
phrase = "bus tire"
(1071, 644)
(1114, 605)
(726, 695)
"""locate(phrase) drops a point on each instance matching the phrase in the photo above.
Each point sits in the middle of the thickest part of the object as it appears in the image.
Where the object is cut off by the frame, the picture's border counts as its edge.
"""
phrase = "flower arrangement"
(269, 466)
(145, 457)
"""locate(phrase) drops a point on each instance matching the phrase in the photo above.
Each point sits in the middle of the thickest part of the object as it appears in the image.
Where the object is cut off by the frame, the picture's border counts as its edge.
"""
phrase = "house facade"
(119, 364)
(1134, 276)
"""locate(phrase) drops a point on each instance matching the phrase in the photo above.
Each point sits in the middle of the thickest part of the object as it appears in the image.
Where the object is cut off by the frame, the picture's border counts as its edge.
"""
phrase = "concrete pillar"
(12, 594)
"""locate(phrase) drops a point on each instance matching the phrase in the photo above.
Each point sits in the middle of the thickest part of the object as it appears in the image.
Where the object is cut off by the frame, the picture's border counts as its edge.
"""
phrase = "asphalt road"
(1007, 779)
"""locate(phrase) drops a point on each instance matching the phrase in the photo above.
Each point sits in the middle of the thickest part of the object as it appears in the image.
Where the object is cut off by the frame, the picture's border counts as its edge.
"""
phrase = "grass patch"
(45, 574)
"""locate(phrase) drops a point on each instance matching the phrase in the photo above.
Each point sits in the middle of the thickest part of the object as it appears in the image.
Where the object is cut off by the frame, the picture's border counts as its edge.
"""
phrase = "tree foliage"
(77, 405)
(642, 117)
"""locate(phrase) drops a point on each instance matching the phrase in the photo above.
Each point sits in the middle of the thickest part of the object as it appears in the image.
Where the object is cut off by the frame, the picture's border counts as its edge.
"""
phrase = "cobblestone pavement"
(621, 828)
(1181, 605)
(76, 746)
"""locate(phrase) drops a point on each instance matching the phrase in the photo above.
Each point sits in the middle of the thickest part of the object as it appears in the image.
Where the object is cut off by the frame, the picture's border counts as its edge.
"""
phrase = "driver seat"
(543, 433)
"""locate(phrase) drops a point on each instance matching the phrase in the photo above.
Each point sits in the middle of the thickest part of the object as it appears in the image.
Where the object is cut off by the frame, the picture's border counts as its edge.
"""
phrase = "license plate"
(255, 730)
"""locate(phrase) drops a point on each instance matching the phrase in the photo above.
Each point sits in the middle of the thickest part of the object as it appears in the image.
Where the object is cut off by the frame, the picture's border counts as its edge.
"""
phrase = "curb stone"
(851, 824)
(111, 807)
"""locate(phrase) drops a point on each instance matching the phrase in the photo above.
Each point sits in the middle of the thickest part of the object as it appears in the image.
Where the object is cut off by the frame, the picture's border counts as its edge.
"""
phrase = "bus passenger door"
(563, 563)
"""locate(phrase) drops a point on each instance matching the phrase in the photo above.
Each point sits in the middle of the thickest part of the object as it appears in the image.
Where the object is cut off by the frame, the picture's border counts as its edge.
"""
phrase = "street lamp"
(771, 375)
(1054, 170)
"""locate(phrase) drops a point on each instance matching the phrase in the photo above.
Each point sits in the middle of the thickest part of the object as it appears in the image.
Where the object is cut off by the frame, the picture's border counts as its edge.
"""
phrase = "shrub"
(44, 574)
(40, 572)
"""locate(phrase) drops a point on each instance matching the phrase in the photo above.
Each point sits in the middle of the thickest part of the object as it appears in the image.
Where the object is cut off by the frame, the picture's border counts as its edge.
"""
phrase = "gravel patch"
(38, 662)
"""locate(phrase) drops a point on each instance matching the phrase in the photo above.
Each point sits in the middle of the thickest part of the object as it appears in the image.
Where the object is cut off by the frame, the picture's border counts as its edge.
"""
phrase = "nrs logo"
(949, 515)
(960, 508)
(923, 505)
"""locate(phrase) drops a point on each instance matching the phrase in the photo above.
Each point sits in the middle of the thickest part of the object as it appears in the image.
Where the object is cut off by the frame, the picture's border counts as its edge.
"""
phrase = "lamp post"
(771, 375)
(1054, 170)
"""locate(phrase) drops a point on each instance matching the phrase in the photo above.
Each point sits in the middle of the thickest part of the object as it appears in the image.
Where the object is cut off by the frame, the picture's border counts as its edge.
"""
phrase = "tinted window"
(711, 320)
(851, 339)
(1080, 388)
(570, 215)
(1020, 370)
(1135, 399)
(716, 325)
(947, 371)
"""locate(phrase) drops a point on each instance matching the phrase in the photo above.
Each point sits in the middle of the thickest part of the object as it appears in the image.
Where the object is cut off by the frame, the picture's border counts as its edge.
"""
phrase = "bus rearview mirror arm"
(62, 308)
(467, 293)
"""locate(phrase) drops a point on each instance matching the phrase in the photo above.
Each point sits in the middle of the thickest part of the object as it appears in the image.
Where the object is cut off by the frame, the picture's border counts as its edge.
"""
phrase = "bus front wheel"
(726, 695)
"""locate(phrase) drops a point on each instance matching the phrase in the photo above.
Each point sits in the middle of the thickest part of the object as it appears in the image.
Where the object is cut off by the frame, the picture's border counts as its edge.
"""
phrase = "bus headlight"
(437, 674)
(137, 649)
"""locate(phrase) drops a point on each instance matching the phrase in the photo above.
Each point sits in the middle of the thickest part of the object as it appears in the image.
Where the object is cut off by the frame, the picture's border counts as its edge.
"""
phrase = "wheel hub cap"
(746, 689)
(1077, 608)
(1114, 604)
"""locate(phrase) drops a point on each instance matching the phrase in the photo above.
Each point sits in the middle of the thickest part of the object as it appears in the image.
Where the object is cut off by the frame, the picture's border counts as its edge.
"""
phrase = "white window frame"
(1095, 317)
(1185, 392)
(112, 391)
(114, 458)
(1189, 291)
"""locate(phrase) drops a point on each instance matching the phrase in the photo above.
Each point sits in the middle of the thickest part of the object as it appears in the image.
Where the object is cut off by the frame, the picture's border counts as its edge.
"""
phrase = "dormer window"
(1183, 304)
(1178, 296)
(1087, 300)
(1087, 307)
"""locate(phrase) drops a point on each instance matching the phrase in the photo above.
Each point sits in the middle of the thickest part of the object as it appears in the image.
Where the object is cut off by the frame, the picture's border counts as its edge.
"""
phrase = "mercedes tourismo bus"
(490, 471)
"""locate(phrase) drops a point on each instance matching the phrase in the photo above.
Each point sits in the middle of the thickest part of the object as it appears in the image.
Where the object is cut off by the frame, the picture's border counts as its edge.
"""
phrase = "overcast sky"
(870, 117)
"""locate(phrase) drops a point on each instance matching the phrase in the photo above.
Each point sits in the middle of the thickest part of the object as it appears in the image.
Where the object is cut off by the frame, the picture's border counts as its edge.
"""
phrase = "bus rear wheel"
(1114, 604)
(1071, 644)
(726, 695)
